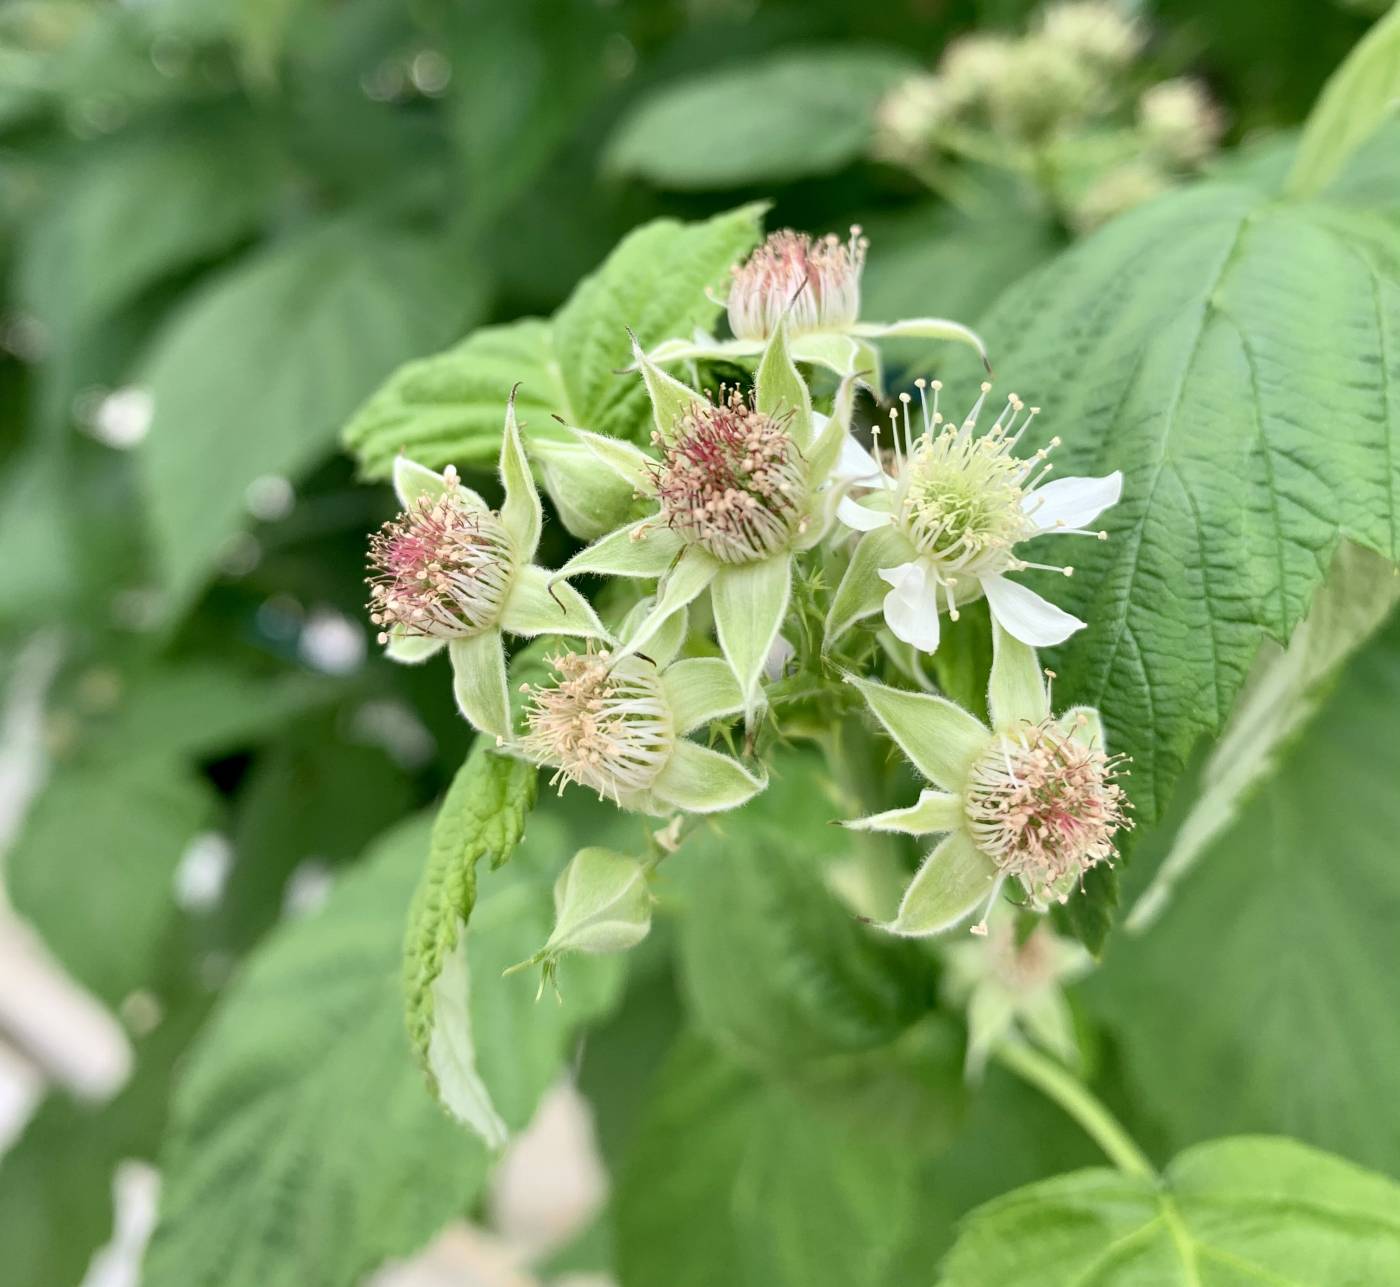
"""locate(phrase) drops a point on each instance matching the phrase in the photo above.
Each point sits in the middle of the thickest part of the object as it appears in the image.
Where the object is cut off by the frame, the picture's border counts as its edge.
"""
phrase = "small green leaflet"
(483, 816)
(447, 409)
(1252, 1209)
(1359, 96)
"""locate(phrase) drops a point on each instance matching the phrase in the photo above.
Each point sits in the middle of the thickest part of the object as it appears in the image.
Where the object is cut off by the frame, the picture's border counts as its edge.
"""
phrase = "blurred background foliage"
(222, 224)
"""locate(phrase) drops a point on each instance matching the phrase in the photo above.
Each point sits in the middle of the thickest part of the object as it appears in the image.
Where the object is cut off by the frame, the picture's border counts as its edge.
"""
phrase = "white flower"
(943, 527)
(1034, 798)
(449, 572)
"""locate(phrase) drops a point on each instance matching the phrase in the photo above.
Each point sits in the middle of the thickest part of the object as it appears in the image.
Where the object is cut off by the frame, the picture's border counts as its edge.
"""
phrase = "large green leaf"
(450, 408)
(782, 975)
(1235, 1211)
(799, 113)
(1234, 358)
(1280, 946)
(94, 867)
(1285, 688)
(255, 374)
(734, 1181)
(1360, 95)
(304, 1148)
(142, 205)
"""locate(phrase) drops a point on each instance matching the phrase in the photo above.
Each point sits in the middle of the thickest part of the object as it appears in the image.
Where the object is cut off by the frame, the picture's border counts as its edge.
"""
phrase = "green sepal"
(955, 880)
(539, 605)
(941, 738)
(861, 593)
(701, 689)
(935, 811)
(521, 513)
(780, 391)
(1016, 691)
(479, 682)
(671, 400)
(646, 549)
(750, 602)
(699, 780)
(591, 502)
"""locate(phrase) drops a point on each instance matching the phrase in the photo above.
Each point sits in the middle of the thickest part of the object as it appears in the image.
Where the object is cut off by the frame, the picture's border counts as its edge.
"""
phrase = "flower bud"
(1180, 121)
(731, 480)
(1092, 30)
(908, 118)
(813, 284)
(601, 905)
(442, 569)
(591, 501)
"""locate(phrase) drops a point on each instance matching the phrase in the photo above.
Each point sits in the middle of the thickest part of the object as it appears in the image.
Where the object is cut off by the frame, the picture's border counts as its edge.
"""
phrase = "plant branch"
(1054, 1081)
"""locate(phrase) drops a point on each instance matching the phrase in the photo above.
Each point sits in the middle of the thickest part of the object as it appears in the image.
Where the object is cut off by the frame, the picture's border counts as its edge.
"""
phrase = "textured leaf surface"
(734, 1181)
(304, 1148)
(781, 974)
(255, 374)
(1235, 1211)
(1361, 94)
(1235, 359)
(449, 408)
(1296, 906)
(483, 816)
(800, 113)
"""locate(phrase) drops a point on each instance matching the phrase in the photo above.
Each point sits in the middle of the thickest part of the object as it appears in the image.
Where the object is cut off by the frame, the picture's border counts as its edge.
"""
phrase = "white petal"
(858, 517)
(1072, 502)
(1024, 615)
(911, 606)
(854, 464)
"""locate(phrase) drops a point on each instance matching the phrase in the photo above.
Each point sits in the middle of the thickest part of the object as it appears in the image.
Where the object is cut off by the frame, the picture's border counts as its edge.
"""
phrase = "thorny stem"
(1079, 1102)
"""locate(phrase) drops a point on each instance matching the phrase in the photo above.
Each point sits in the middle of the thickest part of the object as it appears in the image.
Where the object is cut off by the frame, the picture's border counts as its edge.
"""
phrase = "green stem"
(1052, 1080)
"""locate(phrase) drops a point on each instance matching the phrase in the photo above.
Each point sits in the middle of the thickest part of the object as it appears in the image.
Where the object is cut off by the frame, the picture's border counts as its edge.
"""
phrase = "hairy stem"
(1052, 1080)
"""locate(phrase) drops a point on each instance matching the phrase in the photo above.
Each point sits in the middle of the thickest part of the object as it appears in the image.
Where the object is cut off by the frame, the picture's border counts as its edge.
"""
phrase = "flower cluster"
(1060, 104)
(763, 514)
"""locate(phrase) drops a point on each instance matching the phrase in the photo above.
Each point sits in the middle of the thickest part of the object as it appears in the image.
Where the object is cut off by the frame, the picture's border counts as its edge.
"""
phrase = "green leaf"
(1360, 95)
(781, 974)
(448, 408)
(654, 283)
(799, 113)
(1252, 1209)
(1284, 690)
(482, 816)
(1199, 343)
(254, 375)
(731, 1180)
(141, 205)
(489, 1051)
(1295, 909)
(94, 868)
(304, 1148)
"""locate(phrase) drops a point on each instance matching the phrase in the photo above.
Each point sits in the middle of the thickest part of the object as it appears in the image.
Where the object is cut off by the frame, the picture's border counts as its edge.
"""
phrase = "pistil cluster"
(603, 723)
(1045, 807)
(440, 570)
(731, 480)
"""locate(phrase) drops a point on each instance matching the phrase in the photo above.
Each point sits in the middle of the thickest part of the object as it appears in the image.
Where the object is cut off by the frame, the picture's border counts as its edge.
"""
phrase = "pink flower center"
(813, 284)
(1046, 807)
(441, 569)
(731, 480)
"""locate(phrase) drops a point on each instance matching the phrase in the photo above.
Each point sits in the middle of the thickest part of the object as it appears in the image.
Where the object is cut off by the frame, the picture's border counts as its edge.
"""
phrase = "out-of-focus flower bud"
(1180, 121)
